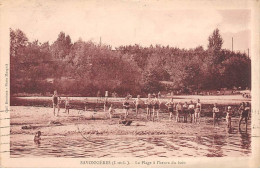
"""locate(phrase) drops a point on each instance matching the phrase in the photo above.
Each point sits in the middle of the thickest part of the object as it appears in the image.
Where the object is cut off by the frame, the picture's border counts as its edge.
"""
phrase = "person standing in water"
(67, 105)
(185, 111)
(86, 103)
(170, 104)
(244, 113)
(126, 106)
(197, 112)
(148, 102)
(215, 112)
(56, 102)
(137, 103)
(111, 111)
(228, 117)
(178, 111)
(156, 107)
(191, 111)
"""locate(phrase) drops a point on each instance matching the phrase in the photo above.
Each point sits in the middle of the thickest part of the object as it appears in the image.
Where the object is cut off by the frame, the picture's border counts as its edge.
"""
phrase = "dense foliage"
(83, 68)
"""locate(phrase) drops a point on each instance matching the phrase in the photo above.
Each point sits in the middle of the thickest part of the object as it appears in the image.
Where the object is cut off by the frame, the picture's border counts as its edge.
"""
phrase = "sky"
(131, 24)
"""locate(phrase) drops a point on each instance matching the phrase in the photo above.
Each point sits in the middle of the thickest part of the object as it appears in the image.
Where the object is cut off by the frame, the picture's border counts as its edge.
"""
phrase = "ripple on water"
(216, 145)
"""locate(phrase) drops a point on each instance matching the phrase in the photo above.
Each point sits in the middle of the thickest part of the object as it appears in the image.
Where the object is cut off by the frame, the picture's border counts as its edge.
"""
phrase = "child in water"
(37, 137)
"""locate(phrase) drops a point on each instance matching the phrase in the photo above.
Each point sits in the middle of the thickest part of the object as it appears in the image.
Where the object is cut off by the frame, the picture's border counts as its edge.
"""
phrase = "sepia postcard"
(129, 83)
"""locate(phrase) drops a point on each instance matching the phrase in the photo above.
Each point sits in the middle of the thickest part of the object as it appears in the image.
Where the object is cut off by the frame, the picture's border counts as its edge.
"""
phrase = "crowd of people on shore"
(186, 110)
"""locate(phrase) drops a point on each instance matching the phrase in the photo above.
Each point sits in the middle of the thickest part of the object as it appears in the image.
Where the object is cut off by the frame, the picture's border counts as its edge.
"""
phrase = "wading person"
(185, 111)
(244, 113)
(67, 105)
(111, 111)
(98, 96)
(148, 102)
(178, 111)
(197, 112)
(170, 104)
(137, 104)
(228, 116)
(56, 102)
(126, 106)
(215, 112)
(156, 107)
(191, 111)
(105, 104)
(86, 103)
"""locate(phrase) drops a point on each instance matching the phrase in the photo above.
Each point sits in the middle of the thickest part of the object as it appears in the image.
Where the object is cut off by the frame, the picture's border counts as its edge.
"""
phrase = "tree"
(18, 42)
(215, 41)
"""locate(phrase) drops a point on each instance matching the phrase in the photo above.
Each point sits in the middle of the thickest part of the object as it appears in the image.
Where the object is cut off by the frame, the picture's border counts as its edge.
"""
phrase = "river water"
(231, 144)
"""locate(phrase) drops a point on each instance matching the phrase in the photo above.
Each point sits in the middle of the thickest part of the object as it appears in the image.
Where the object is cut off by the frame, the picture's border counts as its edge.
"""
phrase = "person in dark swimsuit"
(126, 106)
(170, 104)
(55, 102)
(191, 111)
(148, 102)
(185, 111)
(215, 112)
(244, 113)
(156, 107)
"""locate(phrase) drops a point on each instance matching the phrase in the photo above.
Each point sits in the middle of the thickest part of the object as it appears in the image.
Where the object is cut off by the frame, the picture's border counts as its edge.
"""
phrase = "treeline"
(83, 68)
